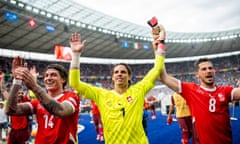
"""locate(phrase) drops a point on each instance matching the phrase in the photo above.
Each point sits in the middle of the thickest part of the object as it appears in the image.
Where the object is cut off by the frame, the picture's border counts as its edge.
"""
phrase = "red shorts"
(186, 126)
(97, 119)
(18, 136)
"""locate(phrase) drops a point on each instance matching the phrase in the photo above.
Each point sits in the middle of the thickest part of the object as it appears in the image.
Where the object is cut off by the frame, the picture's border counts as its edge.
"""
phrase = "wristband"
(161, 48)
(75, 60)
(17, 82)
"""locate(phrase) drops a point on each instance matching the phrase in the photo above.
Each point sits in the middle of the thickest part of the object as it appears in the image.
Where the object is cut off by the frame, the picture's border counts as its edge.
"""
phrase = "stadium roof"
(105, 35)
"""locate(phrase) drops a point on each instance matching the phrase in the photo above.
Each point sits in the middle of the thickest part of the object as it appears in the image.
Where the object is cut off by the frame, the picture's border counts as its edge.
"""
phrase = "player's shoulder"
(190, 85)
(224, 88)
(68, 94)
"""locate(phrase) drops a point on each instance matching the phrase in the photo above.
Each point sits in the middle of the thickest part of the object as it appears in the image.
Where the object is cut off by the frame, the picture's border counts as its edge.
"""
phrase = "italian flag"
(136, 45)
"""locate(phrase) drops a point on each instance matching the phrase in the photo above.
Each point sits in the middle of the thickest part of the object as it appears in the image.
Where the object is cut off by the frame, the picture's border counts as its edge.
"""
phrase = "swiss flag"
(32, 23)
(62, 52)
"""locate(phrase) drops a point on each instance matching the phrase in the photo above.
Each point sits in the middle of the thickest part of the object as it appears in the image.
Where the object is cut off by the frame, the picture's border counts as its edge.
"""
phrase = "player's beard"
(209, 82)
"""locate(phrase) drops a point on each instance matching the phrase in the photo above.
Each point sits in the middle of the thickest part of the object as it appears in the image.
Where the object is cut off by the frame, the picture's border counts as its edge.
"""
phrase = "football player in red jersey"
(19, 132)
(151, 105)
(208, 102)
(56, 109)
(97, 121)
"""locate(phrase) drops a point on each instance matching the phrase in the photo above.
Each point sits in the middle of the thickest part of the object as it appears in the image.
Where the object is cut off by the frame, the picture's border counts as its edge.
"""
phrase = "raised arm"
(159, 51)
(165, 78)
(77, 47)
(12, 108)
(51, 105)
(159, 36)
(169, 80)
(3, 90)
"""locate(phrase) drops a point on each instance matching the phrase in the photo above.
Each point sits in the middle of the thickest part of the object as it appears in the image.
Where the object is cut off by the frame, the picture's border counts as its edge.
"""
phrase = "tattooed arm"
(52, 106)
(21, 72)
(12, 108)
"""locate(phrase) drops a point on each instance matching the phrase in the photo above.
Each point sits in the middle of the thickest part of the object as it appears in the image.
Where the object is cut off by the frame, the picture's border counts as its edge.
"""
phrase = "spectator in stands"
(208, 102)
(3, 121)
(56, 110)
(121, 108)
(97, 121)
(3, 116)
(183, 116)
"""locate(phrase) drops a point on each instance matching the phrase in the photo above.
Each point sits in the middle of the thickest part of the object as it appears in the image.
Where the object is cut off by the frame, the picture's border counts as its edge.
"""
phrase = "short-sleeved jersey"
(121, 113)
(182, 108)
(95, 109)
(55, 130)
(210, 112)
(20, 122)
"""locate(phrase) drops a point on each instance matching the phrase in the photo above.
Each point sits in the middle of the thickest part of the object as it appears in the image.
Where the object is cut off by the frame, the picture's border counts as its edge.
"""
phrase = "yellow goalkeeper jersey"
(121, 113)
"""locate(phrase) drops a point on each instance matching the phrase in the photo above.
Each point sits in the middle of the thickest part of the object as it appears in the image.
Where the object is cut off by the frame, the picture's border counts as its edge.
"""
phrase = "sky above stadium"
(175, 15)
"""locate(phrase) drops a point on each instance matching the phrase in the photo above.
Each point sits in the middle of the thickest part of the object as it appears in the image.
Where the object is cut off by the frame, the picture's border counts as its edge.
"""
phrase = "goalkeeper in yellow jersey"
(122, 107)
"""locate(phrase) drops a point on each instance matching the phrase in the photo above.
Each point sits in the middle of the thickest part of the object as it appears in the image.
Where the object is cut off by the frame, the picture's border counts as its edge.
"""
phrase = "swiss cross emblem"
(221, 97)
(129, 99)
(32, 23)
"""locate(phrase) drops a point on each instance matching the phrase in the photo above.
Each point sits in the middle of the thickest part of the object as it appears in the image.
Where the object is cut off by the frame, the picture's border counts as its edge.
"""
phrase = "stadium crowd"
(227, 72)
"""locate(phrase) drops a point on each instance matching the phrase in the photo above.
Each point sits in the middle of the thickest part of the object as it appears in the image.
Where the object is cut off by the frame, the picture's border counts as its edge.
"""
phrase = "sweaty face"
(120, 76)
(206, 74)
(53, 80)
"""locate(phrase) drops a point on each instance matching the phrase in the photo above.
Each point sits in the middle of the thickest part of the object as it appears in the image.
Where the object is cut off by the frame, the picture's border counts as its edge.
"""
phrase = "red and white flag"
(62, 52)
(32, 23)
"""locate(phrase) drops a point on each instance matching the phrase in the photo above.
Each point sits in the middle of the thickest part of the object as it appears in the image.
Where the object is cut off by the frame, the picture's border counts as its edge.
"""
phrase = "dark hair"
(62, 71)
(199, 61)
(129, 70)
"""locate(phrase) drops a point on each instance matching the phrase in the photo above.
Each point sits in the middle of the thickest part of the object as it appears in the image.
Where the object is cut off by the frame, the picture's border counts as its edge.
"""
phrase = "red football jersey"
(20, 122)
(55, 130)
(210, 112)
(95, 109)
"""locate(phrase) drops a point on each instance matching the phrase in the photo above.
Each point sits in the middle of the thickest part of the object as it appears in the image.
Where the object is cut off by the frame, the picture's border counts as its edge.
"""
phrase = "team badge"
(221, 97)
(129, 99)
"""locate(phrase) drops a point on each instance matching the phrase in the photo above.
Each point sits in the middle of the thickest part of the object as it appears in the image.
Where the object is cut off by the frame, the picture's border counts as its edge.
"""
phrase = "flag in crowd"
(145, 46)
(136, 45)
(11, 16)
(32, 23)
(125, 44)
(50, 27)
(62, 52)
